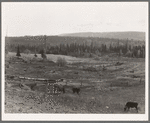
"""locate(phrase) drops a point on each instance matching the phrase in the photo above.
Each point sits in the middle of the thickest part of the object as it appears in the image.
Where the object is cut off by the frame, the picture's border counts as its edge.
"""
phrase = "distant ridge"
(115, 35)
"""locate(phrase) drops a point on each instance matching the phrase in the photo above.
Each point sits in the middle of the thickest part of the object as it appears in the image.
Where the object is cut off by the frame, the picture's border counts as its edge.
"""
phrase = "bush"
(91, 69)
(61, 61)
(44, 56)
(97, 58)
(27, 51)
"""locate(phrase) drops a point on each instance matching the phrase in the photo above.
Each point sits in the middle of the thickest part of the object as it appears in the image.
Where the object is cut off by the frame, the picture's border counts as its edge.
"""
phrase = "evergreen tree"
(35, 52)
(120, 52)
(43, 55)
(18, 52)
(143, 53)
(35, 55)
(110, 48)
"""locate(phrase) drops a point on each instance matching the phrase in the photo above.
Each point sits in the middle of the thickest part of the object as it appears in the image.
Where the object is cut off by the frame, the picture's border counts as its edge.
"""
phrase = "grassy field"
(102, 91)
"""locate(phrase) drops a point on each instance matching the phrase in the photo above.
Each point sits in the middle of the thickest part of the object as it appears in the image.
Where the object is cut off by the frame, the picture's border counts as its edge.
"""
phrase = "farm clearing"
(101, 90)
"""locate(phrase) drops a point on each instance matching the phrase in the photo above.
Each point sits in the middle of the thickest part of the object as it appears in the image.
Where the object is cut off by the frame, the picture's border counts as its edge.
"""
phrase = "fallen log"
(31, 85)
(37, 79)
(23, 86)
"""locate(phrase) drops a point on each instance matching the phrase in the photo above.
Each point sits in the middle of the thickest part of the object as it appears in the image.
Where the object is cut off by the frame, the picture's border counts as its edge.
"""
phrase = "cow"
(33, 85)
(75, 89)
(11, 77)
(59, 88)
(131, 105)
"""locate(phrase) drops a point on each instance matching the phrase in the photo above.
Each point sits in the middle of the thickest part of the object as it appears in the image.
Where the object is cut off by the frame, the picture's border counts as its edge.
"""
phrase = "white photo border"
(73, 117)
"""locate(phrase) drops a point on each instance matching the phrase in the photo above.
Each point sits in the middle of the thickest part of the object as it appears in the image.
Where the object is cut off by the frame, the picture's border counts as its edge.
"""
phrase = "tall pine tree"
(18, 52)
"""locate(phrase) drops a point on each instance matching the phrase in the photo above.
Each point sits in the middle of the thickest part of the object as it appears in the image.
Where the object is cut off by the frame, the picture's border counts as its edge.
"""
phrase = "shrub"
(27, 51)
(97, 58)
(43, 54)
(61, 61)
(92, 69)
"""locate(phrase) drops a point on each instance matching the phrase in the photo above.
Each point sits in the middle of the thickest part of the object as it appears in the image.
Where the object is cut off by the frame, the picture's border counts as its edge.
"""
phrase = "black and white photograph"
(84, 61)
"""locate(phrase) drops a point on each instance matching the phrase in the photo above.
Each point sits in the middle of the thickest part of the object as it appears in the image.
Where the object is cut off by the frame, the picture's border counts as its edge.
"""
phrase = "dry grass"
(83, 103)
(103, 91)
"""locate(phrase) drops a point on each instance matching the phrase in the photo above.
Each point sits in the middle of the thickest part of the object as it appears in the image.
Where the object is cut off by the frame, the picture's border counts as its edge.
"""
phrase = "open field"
(102, 90)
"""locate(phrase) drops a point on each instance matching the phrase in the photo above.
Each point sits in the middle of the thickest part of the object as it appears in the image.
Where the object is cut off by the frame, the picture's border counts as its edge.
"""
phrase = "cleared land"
(102, 91)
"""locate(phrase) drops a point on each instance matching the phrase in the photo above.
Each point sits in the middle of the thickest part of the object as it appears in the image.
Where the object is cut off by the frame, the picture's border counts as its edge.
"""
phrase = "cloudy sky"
(52, 18)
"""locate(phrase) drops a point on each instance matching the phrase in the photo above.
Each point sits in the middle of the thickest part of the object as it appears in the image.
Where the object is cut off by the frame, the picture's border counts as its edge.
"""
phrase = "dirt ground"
(102, 90)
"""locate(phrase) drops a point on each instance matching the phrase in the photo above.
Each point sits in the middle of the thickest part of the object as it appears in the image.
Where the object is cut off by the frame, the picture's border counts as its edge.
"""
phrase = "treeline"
(57, 40)
(82, 50)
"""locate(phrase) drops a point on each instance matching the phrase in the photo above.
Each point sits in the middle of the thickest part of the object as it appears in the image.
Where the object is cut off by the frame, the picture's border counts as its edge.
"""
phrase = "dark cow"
(11, 77)
(59, 88)
(75, 89)
(131, 105)
(33, 85)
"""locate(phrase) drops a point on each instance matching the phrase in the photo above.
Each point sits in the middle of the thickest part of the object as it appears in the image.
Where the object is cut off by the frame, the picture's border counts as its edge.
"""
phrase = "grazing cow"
(59, 88)
(131, 105)
(11, 77)
(33, 85)
(75, 89)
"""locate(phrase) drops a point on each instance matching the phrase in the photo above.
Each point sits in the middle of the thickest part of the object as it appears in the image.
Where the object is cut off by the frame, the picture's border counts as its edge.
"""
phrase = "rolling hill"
(134, 38)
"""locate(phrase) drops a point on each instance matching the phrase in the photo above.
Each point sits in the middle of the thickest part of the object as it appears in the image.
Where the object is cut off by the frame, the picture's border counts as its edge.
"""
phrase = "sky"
(54, 18)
